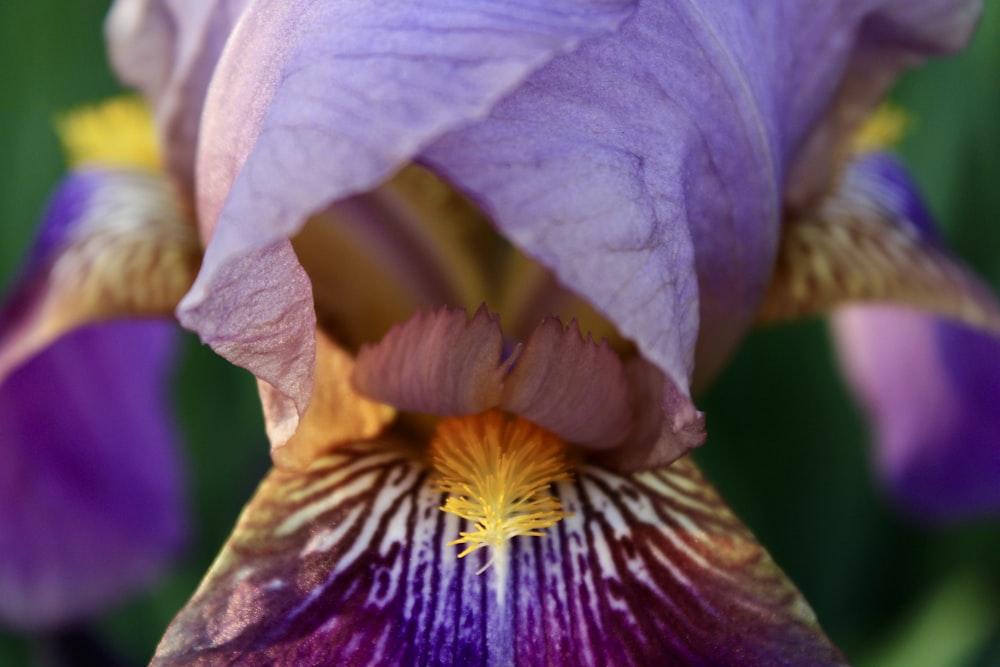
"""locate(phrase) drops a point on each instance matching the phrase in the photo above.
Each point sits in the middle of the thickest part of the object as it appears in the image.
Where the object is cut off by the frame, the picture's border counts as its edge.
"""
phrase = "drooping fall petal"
(873, 240)
(113, 243)
(927, 384)
(931, 389)
(345, 563)
(90, 495)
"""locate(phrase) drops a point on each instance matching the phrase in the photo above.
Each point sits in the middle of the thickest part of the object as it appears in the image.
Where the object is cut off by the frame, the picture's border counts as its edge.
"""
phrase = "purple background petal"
(112, 243)
(932, 390)
(90, 494)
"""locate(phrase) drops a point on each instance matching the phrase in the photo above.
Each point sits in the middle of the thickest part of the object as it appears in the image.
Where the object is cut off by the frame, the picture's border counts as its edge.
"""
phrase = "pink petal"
(668, 425)
(570, 386)
(168, 49)
(437, 363)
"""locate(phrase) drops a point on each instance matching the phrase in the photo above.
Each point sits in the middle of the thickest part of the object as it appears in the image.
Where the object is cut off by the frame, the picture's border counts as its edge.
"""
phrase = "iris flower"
(649, 164)
(90, 488)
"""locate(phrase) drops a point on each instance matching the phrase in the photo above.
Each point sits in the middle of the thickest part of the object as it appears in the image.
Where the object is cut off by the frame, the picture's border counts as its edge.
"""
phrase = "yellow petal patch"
(118, 132)
(882, 130)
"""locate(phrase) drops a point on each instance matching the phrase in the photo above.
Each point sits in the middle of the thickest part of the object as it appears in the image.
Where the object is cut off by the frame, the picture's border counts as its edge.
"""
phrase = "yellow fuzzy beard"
(498, 471)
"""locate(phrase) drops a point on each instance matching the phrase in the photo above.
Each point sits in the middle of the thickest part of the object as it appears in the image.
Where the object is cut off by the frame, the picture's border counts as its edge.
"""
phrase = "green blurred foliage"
(787, 448)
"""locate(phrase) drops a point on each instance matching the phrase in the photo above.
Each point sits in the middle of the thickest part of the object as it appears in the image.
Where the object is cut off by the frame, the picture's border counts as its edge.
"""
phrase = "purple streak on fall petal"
(90, 495)
(931, 389)
(168, 49)
(345, 563)
(335, 98)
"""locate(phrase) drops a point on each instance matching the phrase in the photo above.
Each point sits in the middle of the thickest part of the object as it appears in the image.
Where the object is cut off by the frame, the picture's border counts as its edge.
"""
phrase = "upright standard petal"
(168, 49)
(315, 101)
(931, 389)
(647, 168)
(345, 563)
(91, 506)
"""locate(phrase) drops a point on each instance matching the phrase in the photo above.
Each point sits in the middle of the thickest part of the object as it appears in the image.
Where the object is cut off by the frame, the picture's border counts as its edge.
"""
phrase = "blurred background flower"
(788, 448)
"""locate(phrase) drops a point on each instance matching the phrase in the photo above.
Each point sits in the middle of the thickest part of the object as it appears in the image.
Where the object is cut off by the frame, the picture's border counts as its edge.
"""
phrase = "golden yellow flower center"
(498, 471)
(118, 132)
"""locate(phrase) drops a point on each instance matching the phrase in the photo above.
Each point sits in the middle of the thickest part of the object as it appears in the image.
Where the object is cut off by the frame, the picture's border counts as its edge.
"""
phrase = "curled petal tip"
(336, 413)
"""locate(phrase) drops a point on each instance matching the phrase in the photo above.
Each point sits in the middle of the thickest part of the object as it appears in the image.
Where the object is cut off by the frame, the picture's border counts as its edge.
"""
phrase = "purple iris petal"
(168, 50)
(113, 243)
(880, 180)
(930, 386)
(346, 563)
(931, 389)
(646, 161)
(343, 95)
(90, 495)
(66, 209)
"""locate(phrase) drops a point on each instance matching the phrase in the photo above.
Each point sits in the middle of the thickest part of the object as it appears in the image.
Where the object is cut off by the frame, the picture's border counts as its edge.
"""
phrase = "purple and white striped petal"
(932, 391)
(113, 243)
(91, 505)
(573, 387)
(437, 363)
(347, 564)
